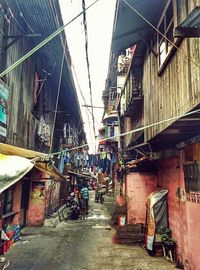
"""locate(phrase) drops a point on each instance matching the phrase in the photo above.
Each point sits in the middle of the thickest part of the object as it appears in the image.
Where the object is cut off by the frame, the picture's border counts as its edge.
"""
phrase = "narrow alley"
(80, 245)
(99, 104)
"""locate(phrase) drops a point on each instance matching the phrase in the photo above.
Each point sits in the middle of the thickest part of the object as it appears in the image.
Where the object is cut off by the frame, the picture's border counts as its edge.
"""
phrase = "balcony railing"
(133, 95)
(109, 131)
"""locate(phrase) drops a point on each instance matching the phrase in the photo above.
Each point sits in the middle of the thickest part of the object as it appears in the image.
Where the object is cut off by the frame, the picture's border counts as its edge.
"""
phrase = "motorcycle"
(74, 209)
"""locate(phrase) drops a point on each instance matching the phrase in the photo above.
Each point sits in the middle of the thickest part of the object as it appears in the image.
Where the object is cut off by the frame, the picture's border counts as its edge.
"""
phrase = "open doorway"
(25, 201)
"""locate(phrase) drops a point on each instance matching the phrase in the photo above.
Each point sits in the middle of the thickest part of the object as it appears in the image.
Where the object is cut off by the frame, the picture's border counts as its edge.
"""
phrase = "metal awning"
(79, 175)
(44, 17)
(190, 27)
(133, 163)
(43, 165)
(129, 27)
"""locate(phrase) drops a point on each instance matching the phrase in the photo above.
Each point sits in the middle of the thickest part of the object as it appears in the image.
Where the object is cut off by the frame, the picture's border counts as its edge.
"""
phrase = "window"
(165, 26)
(192, 176)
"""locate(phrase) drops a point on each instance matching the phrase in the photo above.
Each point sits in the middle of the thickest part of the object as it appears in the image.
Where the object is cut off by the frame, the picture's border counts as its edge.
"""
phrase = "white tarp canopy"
(12, 169)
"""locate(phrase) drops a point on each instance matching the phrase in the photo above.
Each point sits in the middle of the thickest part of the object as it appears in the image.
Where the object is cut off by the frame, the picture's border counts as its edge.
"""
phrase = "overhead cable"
(57, 98)
(158, 31)
(63, 45)
(7, 18)
(44, 42)
(22, 16)
(87, 61)
(13, 16)
(136, 130)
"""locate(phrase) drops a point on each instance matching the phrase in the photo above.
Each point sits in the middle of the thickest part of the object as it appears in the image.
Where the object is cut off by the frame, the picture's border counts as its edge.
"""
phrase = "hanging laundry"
(114, 158)
(43, 132)
(64, 158)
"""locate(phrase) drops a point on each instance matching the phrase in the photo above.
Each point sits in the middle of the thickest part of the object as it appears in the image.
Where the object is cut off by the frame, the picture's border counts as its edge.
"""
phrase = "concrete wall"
(184, 217)
(138, 187)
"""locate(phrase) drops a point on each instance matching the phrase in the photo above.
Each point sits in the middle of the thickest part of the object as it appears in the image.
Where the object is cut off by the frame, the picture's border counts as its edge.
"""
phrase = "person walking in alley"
(85, 199)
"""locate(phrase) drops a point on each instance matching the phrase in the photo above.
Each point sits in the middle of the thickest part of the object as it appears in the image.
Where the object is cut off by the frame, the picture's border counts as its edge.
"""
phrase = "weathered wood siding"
(21, 124)
(1, 39)
(177, 90)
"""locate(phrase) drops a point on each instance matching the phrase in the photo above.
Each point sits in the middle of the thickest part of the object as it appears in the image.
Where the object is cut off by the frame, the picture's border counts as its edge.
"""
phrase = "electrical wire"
(87, 61)
(136, 130)
(44, 42)
(13, 16)
(81, 93)
(87, 109)
(62, 41)
(158, 31)
(57, 99)
(7, 19)
(22, 16)
(43, 82)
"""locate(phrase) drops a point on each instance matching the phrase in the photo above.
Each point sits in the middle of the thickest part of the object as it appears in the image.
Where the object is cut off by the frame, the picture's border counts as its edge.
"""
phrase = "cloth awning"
(12, 169)
(8, 149)
(44, 166)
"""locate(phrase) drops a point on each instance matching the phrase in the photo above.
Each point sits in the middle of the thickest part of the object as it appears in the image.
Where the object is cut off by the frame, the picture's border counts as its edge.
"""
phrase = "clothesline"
(51, 155)
(134, 130)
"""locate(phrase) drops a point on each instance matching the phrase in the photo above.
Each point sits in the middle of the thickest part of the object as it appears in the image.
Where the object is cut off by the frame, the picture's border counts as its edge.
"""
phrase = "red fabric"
(8, 243)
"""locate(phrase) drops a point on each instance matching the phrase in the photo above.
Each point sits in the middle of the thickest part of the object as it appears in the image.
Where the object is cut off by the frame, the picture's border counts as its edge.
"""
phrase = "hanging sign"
(4, 93)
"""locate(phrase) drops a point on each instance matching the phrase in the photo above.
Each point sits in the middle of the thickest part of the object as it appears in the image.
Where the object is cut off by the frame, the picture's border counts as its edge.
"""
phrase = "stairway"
(129, 234)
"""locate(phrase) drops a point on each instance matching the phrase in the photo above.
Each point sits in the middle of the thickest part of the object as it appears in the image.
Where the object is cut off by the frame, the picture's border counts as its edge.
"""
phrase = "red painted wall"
(16, 205)
(139, 186)
(36, 211)
(184, 216)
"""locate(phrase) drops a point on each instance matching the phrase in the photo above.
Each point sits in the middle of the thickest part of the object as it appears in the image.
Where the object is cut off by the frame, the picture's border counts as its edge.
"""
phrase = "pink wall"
(184, 216)
(44, 196)
(139, 186)
(36, 211)
(17, 193)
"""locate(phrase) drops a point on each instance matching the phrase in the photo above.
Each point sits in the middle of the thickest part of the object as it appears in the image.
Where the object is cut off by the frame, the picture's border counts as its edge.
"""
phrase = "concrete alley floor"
(80, 245)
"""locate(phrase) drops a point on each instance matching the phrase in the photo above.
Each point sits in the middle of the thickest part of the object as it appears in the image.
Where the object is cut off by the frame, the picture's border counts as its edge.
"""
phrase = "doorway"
(25, 201)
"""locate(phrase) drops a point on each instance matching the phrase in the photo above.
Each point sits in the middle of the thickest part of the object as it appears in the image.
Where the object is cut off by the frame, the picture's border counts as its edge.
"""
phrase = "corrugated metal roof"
(193, 19)
(40, 16)
(127, 23)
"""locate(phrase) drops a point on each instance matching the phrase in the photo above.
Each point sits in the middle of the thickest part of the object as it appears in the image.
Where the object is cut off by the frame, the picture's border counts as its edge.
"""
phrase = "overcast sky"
(99, 24)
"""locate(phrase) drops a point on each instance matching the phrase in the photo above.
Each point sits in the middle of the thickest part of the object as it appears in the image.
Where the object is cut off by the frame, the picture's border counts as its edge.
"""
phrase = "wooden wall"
(21, 123)
(177, 89)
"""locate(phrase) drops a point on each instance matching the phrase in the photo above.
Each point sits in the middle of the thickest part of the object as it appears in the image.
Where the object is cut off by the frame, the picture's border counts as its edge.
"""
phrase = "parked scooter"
(74, 209)
(70, 199)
